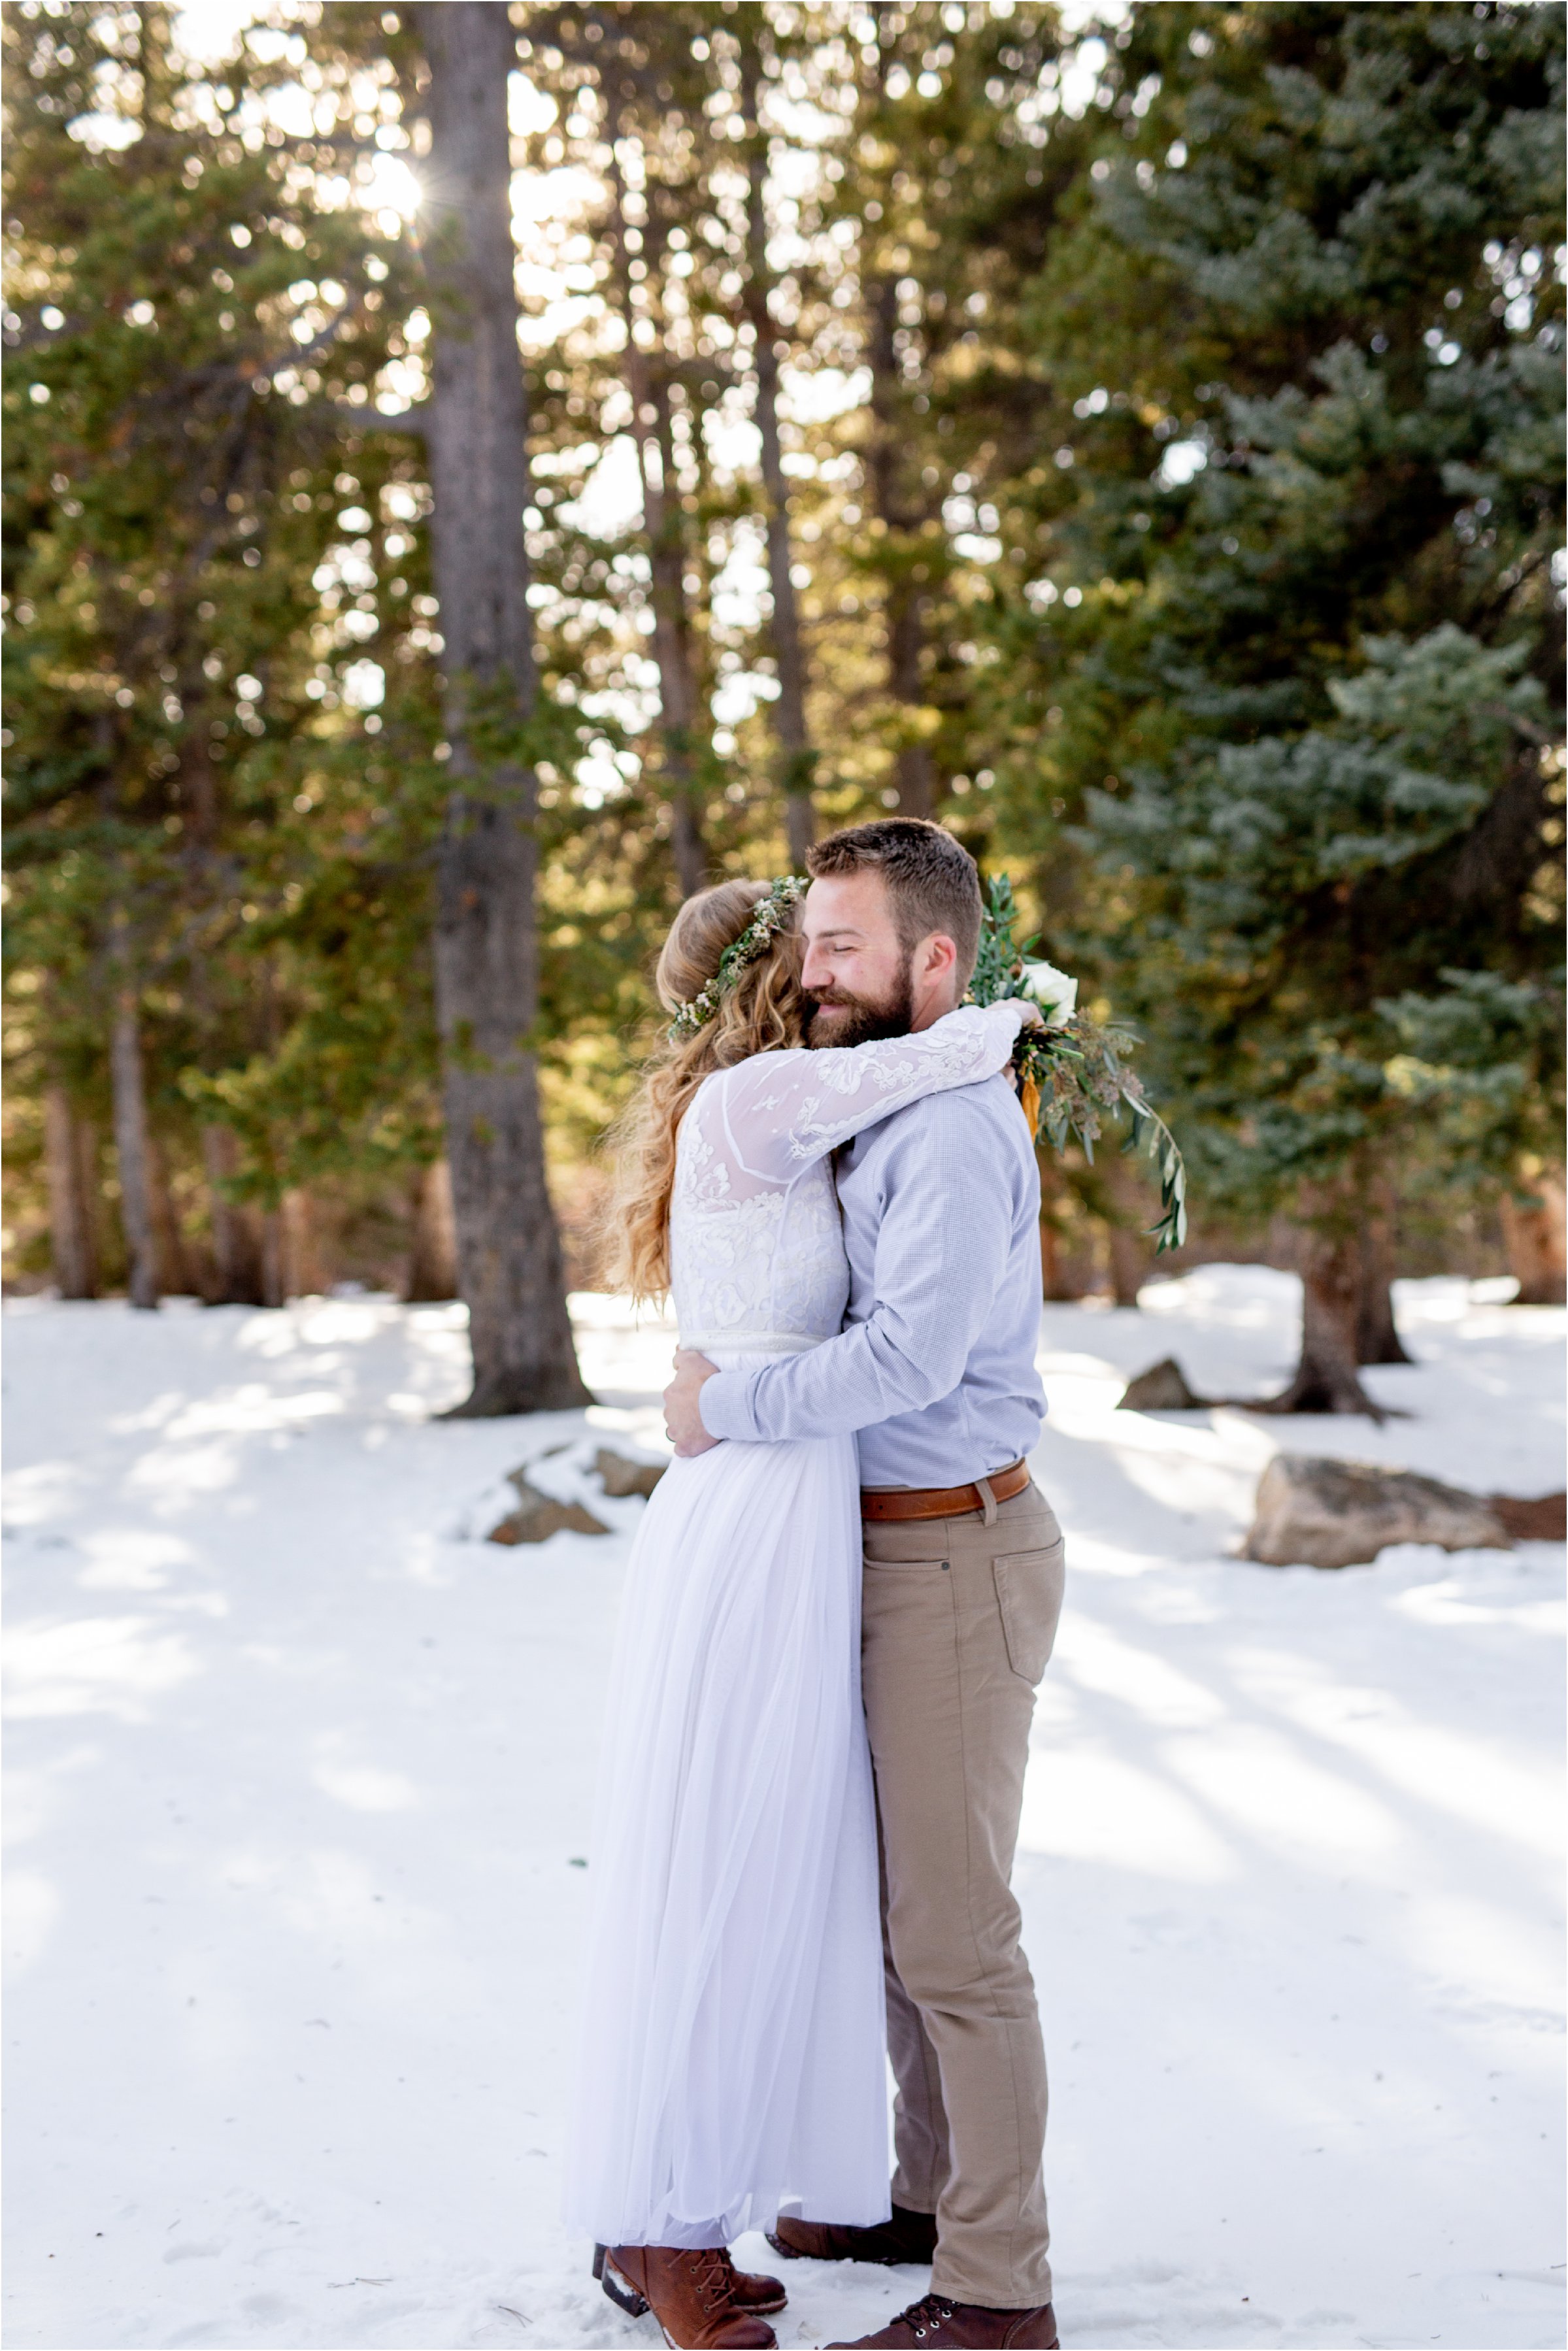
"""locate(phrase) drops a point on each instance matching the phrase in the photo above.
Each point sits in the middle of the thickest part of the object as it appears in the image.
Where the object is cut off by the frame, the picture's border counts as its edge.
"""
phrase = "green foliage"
(1071, 1073)
(1171, 422)
(1285, 672)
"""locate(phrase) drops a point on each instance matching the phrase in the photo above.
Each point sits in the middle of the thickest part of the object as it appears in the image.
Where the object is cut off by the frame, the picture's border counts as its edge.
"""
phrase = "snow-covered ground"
(301, 1804)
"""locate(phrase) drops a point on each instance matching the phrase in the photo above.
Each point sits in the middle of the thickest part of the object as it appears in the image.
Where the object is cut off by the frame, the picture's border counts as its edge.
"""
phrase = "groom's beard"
(839, 1018)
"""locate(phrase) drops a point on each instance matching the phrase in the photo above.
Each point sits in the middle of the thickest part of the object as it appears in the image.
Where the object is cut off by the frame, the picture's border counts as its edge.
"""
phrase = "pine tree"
(1294, 648)
(189, 331)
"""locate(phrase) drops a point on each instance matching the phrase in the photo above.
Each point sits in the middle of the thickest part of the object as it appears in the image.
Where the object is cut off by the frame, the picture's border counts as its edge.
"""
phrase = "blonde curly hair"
(764, 1012)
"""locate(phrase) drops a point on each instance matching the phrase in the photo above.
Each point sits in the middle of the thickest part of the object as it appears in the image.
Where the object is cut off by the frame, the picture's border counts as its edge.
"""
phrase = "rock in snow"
(1535, 1518)
(538, 1516)
(1317, 1513)
(621, 1477)
(1162, 1388)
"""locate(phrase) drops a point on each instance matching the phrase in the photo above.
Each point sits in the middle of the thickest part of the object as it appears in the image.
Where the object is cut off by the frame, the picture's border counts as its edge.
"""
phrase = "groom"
(962, 1577)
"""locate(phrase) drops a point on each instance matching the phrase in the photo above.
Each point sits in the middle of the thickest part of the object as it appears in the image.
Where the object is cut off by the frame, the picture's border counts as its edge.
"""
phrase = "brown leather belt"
(941, 1502)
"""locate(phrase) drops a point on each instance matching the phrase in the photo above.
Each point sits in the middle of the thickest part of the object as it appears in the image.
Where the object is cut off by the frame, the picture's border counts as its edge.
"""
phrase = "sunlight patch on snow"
(32, 1906)
(363, 1787)
(175, 1478)
(1488, 1953)
(98, 1665)
(1096, 1659)
(1448, 1603)
(1257, 1301)
(401, 1955)
(1469, 1778)
(324, 1322)
(1258, 1779)
(156, 1414)
(131, 1558)
(1093, 1807)
(238, 1411)
(33, 1496)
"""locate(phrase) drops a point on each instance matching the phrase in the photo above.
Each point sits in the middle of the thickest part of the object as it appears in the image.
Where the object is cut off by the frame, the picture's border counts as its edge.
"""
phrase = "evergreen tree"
(192, 336)
(1294, 646)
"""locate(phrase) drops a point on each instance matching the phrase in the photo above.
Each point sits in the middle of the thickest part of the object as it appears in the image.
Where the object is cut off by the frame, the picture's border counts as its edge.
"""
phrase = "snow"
(301, 1800)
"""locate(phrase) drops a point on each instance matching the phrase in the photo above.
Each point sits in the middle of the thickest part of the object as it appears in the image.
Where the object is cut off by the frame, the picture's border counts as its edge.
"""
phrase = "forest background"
(1131, 438)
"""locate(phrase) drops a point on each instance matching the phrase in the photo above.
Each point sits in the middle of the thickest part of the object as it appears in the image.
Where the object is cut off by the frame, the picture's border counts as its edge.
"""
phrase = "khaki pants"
(959, 1618)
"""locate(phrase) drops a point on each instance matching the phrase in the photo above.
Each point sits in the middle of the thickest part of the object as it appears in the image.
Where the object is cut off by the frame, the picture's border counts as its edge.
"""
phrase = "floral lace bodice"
(757, 1252)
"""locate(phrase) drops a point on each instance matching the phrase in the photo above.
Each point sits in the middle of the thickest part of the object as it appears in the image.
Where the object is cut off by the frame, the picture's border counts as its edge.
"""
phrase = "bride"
(734, 2049)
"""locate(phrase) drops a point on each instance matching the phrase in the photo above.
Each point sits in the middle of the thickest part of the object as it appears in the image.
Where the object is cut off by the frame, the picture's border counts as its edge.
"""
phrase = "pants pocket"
(1029, 1594)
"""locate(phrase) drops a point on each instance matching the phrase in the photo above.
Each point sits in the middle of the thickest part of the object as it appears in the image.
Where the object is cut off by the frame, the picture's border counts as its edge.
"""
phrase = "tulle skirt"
(733, 2029)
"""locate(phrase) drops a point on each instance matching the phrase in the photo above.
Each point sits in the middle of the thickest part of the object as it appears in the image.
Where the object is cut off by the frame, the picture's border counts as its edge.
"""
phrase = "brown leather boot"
(934, 2323)
(691, 2293)
(907, 2237)
(754, 2289)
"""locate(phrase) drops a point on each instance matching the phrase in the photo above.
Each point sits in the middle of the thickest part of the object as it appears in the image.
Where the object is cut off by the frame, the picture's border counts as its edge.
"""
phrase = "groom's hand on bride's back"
(683, 1417)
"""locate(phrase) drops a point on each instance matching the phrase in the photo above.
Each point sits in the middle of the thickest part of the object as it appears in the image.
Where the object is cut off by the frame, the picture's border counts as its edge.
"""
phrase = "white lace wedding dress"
(733, 2049)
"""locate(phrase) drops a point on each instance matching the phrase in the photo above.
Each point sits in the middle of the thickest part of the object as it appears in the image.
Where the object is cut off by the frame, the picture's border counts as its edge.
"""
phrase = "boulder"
(1534, 1518)
(1313, 1511)
(538, 1516)
(621, 1477)
(1162, 1388)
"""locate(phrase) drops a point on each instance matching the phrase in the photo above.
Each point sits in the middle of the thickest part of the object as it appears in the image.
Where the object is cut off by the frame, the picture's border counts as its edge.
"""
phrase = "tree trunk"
(131, 1145)
(1129, 1264)
(673, 641)
(274, 1259)
(797, 760)
(433, 1257)
(1329, 1260)
(1377, 1337)
(1130, 1252)
(236, 1233)
(174, 1274)
(665, 531)
(1532, 1233)
(305, 1272)
(904, 609)
(486, 945)
(71, 1237)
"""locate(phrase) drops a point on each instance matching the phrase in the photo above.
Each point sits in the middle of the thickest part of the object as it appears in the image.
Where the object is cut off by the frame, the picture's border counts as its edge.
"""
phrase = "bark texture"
(176, 1276)
(236, 1230)
(1377, 1337)
(1129, 1264)
(132, 1150)
(1532, 1231)
(1328, 1259)
(72, 1240)
(796, 758)
(652, 428)
(432, 1254)
(305, 1271)
(486, 954)
(1130, 1252)
(903, 512)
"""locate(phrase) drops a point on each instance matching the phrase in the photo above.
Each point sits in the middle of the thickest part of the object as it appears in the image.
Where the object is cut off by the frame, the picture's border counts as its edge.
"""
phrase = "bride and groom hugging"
(840, 1599)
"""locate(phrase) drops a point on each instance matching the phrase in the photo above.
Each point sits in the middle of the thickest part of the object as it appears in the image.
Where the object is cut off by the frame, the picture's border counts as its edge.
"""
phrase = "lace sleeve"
(773, 1115)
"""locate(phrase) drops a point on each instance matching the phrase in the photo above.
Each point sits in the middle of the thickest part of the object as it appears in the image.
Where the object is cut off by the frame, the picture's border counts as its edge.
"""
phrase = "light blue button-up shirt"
(935, 1367)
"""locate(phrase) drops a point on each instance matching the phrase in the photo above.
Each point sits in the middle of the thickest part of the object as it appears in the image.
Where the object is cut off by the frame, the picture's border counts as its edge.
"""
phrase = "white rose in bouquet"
(1052, 990)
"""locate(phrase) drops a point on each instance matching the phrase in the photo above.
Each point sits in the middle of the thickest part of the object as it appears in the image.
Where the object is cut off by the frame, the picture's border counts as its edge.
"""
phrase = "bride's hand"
(683, 1413)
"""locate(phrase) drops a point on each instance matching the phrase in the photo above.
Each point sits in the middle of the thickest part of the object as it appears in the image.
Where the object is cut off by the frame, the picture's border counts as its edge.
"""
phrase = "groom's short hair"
(934, 883)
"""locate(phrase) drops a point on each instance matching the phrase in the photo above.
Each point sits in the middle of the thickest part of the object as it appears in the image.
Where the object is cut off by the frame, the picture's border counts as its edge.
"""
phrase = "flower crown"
(771, 915)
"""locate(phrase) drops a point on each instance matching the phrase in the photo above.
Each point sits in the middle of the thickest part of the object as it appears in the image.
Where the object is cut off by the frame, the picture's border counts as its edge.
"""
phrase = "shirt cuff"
(724, 1404)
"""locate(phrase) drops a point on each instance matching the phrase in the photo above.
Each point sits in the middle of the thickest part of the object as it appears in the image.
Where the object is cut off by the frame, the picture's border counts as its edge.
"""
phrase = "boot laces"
(714, 2274)
(928, 2315)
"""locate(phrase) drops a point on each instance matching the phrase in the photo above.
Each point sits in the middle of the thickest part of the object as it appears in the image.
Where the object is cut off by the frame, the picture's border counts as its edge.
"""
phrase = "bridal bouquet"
(1071, 1070)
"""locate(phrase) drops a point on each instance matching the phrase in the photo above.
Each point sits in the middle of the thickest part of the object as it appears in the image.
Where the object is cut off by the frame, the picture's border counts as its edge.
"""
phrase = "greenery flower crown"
(772, 915)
